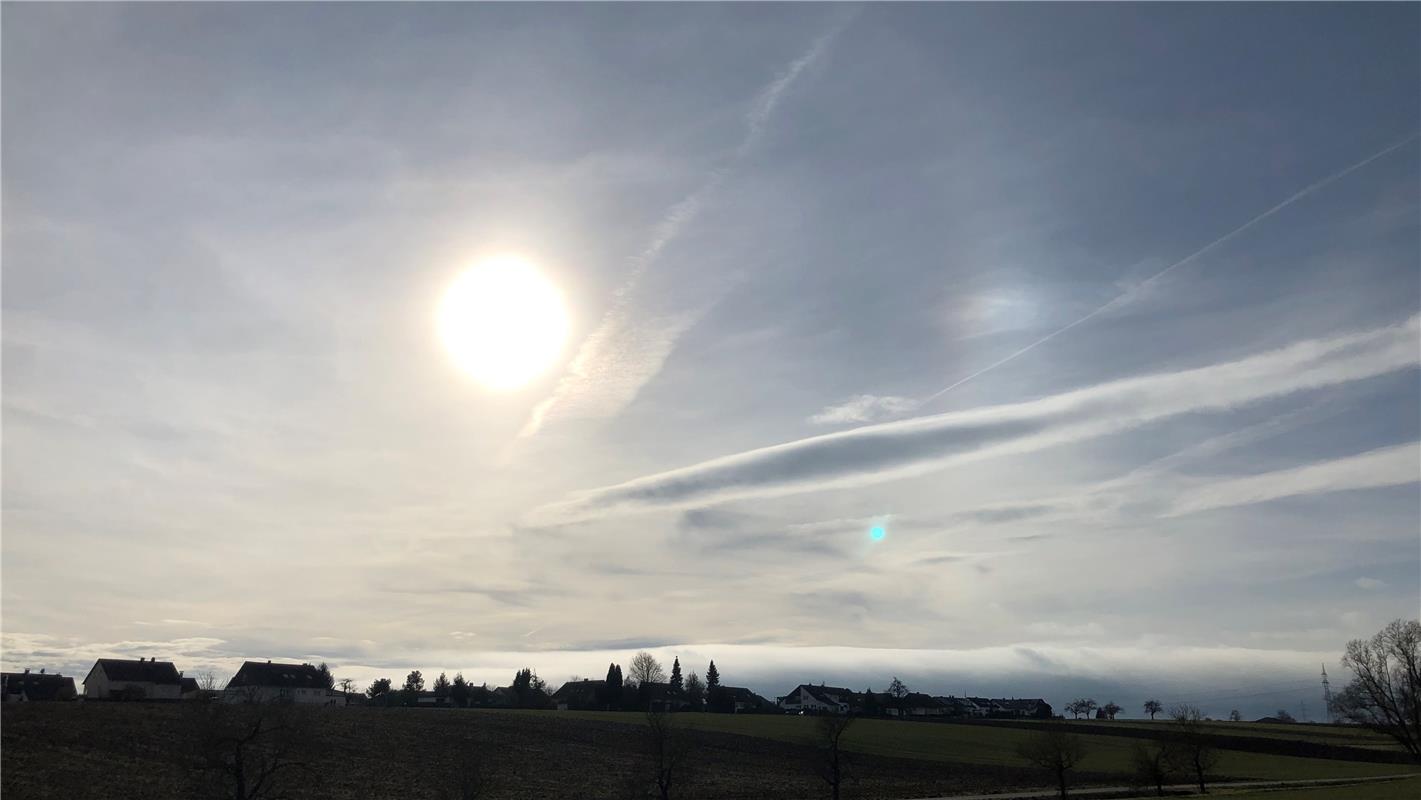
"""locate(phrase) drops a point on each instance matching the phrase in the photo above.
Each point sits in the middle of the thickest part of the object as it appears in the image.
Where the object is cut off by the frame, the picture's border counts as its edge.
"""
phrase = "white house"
(820, 699)
(126, 679)
(258, 682)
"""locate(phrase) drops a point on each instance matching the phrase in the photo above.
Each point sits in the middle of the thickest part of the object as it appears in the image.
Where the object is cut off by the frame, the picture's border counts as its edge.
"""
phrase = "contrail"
(581, 371)
(1126, 296)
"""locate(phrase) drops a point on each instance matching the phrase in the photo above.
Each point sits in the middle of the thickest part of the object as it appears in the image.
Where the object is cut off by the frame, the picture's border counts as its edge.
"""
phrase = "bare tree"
(1110, 709)
(1192, 750)
(206, 681)
(833, 764)
(1057, 751)
(1386, 693)
(1152, 765)
(1234, 716)
(1153, 707)
(897, 688)
(347, 687)
(1081, 706)
(247, 751)
(645, 669)
(668, 746)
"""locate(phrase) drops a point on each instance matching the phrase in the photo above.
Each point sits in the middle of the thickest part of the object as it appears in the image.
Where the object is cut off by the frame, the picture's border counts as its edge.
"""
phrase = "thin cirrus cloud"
(1397, 465)
(876, 453)
(622, 354)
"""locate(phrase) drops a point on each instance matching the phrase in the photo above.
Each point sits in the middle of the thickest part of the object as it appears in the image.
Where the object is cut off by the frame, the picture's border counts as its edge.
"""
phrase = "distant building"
(31, 687)
(258, 682)
(580, 695)
(963, 707)
(739, 700)
(820, 700)
(1023, 708)
(126, 679)
(912, 704)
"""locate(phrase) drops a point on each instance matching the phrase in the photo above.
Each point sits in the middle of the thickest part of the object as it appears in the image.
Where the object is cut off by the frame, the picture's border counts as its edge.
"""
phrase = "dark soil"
(136, 751)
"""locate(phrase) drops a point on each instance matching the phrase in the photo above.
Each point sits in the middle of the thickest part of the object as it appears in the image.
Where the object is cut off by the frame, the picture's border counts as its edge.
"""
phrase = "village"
(151, 680)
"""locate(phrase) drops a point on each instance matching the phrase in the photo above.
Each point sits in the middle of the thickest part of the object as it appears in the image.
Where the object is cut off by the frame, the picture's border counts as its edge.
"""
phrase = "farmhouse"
(126, 679)
(29, 687)
(258, 682)
(820, 699)
(912, 704)
(739, 700)
(580, 695)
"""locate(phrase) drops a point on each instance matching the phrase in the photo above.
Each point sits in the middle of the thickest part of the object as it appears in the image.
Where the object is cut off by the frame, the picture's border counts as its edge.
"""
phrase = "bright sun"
(503, 322)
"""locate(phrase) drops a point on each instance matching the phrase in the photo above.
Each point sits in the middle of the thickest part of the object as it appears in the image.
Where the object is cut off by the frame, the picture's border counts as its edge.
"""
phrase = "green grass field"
(1339, 735)
(1381, 790)
(977, 744)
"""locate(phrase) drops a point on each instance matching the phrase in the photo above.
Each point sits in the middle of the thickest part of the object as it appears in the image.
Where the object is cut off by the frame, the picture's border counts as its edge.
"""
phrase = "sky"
(1107, 315)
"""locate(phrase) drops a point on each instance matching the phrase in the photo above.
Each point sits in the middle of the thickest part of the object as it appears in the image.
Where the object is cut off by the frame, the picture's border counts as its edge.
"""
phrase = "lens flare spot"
(877, 533)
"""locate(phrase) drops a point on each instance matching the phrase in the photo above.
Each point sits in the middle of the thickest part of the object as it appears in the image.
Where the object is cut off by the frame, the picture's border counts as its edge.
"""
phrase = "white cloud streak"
(864, 408)
(1388, 466)
(885, 451)
(621, 355)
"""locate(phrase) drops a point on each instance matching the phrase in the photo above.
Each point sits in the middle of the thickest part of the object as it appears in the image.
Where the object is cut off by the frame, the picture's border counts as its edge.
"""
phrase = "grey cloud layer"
(882, 452)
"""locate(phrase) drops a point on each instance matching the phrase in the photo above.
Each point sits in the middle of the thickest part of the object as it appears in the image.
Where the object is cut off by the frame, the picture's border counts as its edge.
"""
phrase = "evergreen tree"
(715, 698)
(326, 675)
(441, 685)
(459, 691)
(712, 676)
(414, 682)
(695, 692)
(676, 685)
(378, 686)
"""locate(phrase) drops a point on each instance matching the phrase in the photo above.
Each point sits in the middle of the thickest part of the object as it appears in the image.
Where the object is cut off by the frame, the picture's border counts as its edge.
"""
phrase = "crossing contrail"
(1126, 296)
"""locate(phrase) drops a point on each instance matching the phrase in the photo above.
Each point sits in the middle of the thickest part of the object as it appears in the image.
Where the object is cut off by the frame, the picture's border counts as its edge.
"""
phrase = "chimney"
(41, 670)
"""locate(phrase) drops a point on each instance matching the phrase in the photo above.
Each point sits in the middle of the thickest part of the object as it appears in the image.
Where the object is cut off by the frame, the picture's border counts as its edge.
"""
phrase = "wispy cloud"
(623, 354)
(1388, 466)
(886, 451)
(1135, 291)
(864, 408)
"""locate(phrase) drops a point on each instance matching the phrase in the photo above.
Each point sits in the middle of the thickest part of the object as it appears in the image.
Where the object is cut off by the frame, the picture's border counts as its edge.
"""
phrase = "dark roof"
(188, 684)
(1024, 704)
(140, 671)
(740, 694)
(37, 686)
(286, 676)
(579, 690)
(827, 694)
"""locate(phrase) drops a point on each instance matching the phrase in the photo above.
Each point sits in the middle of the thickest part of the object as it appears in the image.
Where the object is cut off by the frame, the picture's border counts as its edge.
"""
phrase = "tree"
(347, 688)
(668, 747)
(676, 684)
(897, 689)
(715, 698)
(1192, 750)
(248, 751)
(1057, 751)
(1283, 715)
(1385, 693)
(1152, 765)
(1081, 706)
(414, 682)
(441, 685)
(1153, 707)
(459, 691)
(646, 669)
(326, 675)
(1234, 716)
(695, 692)
(611, 693)
(870, 703)
(833, 760)
(1110, 709)
(378, 686)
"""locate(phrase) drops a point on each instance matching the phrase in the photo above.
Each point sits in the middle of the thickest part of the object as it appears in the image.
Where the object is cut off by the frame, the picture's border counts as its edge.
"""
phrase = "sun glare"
(503, 323)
